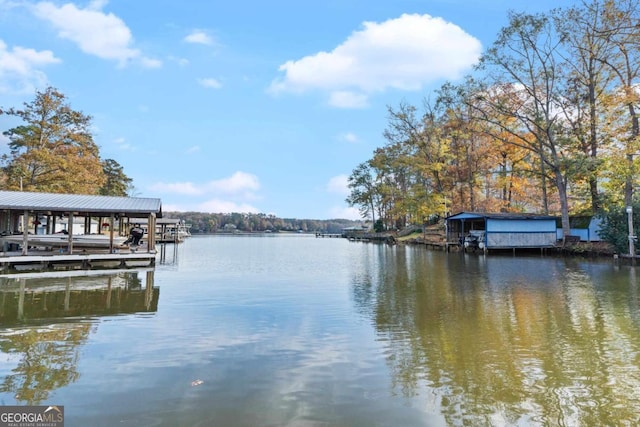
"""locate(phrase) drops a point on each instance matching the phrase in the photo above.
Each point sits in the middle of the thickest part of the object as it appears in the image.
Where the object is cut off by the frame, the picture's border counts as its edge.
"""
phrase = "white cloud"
(199, 37)
(93, 31)
(184, 188)
(97, 4)
(171, 207)
(348, 137)
(20, 68)
(212, 206)
(225, 206)
(238, 186)
(182, 62)
(339, 185)
(239, 182)
(194, 149)
(341, 212)
(150, 62)
(231, 194)
(404, 53)
(347, 99)
(123, 145)
(210, 83)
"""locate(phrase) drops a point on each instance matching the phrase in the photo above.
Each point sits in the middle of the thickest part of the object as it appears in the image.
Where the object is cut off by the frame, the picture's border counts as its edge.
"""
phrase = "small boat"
(60, 240)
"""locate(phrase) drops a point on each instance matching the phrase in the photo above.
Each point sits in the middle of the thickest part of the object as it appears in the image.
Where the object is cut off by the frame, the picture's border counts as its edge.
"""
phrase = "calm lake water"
(290, 330)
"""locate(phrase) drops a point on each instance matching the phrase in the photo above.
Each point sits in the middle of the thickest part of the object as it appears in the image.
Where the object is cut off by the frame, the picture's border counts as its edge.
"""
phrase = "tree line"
(546, 123)
(53, 151)
(204, 223)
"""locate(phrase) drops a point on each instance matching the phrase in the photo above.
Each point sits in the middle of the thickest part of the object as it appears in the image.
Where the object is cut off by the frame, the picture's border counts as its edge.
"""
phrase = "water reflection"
(502, 340)
(34, 297)
(168, 254)
(45, 318)
(301, 331)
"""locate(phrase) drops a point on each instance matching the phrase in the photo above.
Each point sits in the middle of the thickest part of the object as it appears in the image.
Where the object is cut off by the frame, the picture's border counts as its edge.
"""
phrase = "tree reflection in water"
(48, 359)
(502, 340)
(44, 321)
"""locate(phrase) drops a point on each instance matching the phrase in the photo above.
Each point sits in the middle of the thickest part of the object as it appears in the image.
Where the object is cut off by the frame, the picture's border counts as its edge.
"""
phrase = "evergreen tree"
(117, 183)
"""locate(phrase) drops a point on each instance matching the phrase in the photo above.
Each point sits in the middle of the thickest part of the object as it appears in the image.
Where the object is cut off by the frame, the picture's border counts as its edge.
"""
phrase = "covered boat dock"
(486, 231)
(27, 218)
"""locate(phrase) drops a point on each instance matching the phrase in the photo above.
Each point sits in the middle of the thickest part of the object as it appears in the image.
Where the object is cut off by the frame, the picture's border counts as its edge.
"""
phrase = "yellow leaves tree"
(621, 19)
(548, 124)
(53, 151)
(581, 29)
(425, 154)
(524, 64)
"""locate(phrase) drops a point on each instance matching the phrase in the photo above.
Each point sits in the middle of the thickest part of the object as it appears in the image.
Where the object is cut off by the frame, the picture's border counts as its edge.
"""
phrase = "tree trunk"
(593, 143)
(543, 182)
(564, 204)
(635, 131)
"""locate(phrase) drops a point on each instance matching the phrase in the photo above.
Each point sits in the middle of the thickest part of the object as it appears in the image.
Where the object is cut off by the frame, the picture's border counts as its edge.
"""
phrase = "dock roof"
(498, 215)
(135, 207)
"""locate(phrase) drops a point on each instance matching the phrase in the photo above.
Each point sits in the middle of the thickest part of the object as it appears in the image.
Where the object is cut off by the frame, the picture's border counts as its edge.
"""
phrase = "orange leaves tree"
(547, 123)
(419, 143)
(53, 150)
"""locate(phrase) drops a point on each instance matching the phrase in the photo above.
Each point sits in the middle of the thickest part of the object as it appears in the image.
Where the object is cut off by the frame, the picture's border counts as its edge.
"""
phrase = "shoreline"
(436, 241)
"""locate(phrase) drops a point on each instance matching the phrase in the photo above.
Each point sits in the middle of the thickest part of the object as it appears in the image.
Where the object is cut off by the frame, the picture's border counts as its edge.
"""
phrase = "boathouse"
(25, 215)
(502, 230)
(586, 228)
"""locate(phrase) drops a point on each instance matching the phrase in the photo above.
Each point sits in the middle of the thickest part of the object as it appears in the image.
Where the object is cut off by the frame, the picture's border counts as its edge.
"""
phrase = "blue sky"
(244, 105)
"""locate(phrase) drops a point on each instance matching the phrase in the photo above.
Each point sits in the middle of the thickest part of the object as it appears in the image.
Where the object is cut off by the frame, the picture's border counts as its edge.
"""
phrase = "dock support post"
(70, 233)
(25, 232)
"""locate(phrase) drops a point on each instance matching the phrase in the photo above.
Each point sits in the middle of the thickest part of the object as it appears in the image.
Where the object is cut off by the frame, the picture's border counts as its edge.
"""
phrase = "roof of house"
(80, 204)
(499, 215)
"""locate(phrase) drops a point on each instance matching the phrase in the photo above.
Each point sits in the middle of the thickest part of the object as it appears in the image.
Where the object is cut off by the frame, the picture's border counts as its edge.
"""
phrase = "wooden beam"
(70, 222)
(25, 232)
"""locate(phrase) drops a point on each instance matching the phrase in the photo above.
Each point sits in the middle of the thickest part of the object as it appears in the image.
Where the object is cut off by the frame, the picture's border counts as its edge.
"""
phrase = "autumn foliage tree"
(548, 124)
(53, 150)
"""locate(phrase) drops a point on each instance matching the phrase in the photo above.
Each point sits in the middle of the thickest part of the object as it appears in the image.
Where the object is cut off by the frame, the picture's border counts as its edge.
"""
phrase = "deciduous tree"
(524, 79)
(621, 20)
(588, 81)
(363, 192)
(53, 150)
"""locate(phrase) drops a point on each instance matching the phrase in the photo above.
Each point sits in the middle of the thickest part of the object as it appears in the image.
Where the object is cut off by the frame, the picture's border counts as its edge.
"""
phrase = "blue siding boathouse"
(485, 231)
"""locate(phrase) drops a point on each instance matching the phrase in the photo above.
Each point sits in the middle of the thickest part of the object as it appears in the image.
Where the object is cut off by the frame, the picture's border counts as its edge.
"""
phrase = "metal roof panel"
(498, 215)
(20, 200)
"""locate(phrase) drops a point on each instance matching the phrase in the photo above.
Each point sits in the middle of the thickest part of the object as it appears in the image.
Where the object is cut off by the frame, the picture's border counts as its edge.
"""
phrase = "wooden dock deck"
(85, 260)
